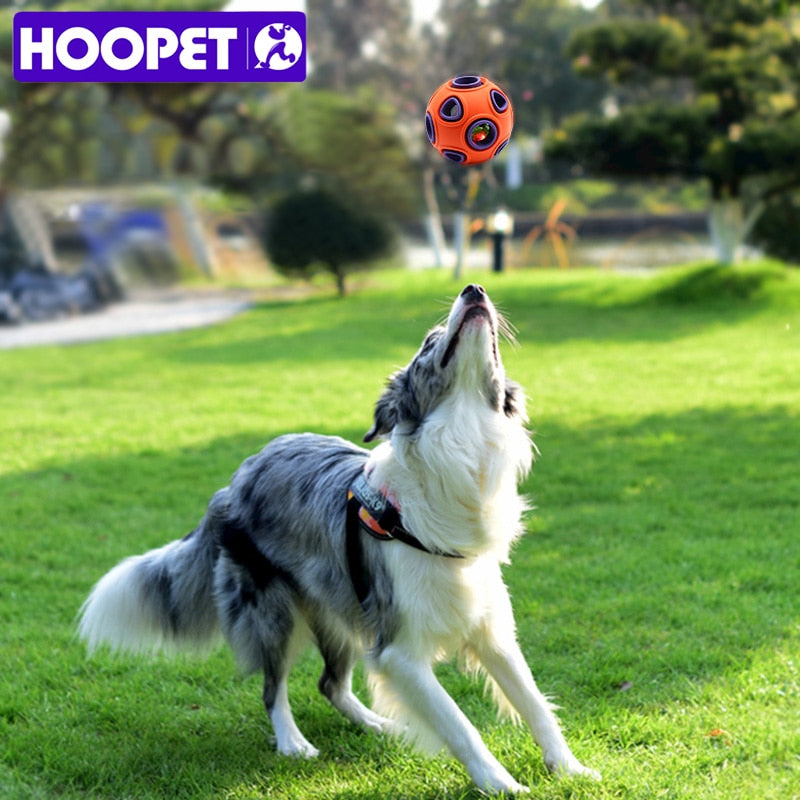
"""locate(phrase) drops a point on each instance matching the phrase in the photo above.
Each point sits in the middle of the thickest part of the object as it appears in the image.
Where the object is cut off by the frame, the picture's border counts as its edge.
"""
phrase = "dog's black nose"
(474, 292)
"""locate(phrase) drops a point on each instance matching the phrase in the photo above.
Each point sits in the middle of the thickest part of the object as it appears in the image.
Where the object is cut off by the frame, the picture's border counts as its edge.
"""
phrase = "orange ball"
(469, 119)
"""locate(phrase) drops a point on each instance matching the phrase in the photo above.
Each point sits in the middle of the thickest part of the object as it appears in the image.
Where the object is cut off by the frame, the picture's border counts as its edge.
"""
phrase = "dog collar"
(376, 514)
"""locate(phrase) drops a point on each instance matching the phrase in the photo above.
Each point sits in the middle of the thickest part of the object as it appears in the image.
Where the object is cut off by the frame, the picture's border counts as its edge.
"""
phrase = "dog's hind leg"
(338, 690)
(277, 663)
(290, 741)
(266, 632)
(336, 682)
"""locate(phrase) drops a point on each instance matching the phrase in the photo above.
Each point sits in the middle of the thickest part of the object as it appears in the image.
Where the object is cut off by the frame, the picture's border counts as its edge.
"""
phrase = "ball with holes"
(469, 119)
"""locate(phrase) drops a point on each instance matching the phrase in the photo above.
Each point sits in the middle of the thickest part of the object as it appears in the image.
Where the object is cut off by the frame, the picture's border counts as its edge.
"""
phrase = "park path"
(142, 314)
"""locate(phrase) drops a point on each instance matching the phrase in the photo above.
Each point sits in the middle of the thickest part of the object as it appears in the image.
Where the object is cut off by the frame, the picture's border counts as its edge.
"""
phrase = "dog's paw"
(496, 781)
(391, 727)
(507, 790)
(378, 724)
(297, 747)
(585, 772)
(569, 767)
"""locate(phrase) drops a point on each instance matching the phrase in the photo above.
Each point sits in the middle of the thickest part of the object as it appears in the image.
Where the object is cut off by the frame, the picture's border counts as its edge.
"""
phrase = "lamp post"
(499, 225)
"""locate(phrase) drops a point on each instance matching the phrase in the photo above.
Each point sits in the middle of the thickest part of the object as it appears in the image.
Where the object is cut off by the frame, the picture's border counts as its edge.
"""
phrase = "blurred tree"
(357, 42)
(472, 36)
(711, 90)
(315, 230)
(350, 144)
(535, 67)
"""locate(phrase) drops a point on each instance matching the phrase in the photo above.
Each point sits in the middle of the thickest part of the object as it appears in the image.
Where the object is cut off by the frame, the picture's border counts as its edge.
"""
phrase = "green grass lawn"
(657, 592)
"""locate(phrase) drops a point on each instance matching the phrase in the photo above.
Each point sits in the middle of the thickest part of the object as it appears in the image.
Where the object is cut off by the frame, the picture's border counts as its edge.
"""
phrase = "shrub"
(776, 231)
(310, 231)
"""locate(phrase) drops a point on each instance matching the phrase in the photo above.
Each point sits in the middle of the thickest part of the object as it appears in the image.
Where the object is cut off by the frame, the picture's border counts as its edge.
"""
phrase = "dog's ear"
(514, 401)
(385, 410)
(397, 403)
(385, 417)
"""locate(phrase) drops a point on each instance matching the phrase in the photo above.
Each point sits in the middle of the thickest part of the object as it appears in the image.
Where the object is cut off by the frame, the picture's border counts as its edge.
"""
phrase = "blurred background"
(646, 134)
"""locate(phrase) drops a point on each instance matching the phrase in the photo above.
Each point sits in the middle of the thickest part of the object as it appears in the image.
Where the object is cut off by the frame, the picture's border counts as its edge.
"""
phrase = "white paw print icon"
(278, 47)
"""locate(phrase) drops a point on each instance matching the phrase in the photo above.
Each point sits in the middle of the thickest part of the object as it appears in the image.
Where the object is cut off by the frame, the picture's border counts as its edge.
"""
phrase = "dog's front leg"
(418, 687)
(507, 666)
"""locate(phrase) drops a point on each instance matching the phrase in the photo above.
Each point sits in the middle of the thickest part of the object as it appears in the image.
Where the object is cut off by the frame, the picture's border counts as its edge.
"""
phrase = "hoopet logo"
(159, 46)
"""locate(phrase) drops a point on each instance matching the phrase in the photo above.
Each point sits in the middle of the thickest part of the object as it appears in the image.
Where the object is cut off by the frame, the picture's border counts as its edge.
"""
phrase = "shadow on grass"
(663, 554)
(663, 307)
(716, 283)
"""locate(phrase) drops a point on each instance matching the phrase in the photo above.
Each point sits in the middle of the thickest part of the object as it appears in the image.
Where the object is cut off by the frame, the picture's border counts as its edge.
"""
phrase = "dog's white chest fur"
(456, 486)
(456, 481)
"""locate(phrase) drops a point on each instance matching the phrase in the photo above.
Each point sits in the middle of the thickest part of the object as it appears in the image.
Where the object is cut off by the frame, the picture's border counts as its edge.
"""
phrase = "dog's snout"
(474, 292)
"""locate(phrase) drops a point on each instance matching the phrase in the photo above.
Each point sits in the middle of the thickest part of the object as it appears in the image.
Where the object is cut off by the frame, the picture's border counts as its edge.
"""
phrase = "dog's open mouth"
(471, 312)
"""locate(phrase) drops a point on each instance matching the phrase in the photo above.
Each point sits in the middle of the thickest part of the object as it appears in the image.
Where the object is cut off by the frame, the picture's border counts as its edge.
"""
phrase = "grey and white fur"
(268, 566)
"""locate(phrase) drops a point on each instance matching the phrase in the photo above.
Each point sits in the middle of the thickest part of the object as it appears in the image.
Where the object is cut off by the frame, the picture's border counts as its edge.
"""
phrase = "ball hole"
(429, 129)
(481, 134)
(499, 101)
(451, 110)
(466, 81)
(454, 155)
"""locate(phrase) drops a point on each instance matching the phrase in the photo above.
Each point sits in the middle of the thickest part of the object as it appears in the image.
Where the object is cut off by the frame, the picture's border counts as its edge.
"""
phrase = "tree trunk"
(339, 273)
(726, 226)
(729, 226)
(460, 226)
(433, 219)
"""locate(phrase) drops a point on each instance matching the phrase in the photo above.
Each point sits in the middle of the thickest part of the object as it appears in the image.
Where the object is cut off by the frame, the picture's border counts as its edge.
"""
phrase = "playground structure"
(105, 250)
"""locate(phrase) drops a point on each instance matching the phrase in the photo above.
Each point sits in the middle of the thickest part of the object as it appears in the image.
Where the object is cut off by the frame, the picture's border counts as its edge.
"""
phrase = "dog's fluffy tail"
(162, 600)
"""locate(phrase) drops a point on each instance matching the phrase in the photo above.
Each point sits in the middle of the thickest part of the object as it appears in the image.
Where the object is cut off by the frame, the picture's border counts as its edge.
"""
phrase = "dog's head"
(461, 356)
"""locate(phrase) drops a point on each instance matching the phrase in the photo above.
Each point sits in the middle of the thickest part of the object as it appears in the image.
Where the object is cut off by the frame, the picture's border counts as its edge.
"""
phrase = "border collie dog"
(392, 555)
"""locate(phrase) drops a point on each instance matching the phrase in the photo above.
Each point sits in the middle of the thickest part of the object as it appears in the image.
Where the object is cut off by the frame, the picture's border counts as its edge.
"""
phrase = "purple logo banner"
(160, 46)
